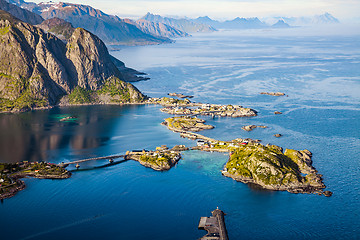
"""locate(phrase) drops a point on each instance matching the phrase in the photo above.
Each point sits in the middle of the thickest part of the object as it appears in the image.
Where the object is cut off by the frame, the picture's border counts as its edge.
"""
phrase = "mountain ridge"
(37, 68)
(22, 14)
(63, 30)
(111, 29)
(183, 24)
(160, 29)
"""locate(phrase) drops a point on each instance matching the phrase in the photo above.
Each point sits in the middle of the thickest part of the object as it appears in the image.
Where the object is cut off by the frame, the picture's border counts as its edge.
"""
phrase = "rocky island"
(277, 94)
(251, 127)
(171, 102)
(271, 168)
(185, 123)
(10, 175)
(211, 110)
(160, 160)
(180, 95)
(266, 166)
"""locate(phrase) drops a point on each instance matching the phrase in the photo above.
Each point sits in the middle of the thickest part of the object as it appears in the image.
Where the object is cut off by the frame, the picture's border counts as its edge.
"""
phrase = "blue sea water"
(320, 73)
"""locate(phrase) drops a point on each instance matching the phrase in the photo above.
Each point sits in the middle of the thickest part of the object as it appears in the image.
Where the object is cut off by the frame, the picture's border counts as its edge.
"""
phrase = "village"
(211, 110)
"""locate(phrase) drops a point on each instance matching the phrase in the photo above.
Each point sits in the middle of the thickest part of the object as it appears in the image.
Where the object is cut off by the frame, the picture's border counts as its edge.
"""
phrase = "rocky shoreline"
(266, 166)
(298, 175)
(180, 95)
(276, 170)
(11, 174)
(184, 123)
(20, 185)
(162, 159)
(212, 110)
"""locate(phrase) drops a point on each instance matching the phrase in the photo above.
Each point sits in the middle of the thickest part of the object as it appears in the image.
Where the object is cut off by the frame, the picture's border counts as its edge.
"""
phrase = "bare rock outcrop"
(37, 68)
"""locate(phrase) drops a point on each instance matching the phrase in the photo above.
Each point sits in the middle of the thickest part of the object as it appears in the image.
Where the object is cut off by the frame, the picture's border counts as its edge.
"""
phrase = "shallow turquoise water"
(129, 201)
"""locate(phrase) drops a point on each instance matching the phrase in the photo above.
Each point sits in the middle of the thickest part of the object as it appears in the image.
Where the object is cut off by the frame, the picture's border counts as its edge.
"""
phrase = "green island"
(186, 123)
(250, 162)
(266, 166)
(160, 160)
(211, 110)
(166, 101)
(271, 168)
(11, 174)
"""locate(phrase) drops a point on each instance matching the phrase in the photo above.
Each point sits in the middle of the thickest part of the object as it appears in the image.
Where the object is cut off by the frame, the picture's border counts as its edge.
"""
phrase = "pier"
(215, 226)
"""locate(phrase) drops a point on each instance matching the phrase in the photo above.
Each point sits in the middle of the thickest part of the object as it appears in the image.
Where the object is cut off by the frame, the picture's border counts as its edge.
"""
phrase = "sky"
(226, 9)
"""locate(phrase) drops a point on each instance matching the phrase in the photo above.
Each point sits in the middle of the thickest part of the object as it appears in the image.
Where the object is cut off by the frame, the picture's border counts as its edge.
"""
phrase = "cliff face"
(91, 59)
(59, 27)
(20, 13)
(64, 30)
(36, 68)
(32, 64)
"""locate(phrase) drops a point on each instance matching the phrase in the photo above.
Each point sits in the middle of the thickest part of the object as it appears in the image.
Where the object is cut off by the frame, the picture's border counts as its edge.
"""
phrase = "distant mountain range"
(325, 18)
(22, 14)
(232, 24)
(111, 29)
(280, 24)
(185, 25)
(157, 28)
(151, 28)
(275, 22)
(206, 24)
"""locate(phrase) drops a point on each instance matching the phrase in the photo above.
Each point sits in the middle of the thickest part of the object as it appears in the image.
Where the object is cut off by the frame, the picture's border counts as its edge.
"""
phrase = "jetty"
(214, 225)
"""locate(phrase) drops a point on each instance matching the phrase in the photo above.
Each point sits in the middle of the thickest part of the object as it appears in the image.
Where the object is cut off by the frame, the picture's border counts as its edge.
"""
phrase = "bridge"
(110, 158)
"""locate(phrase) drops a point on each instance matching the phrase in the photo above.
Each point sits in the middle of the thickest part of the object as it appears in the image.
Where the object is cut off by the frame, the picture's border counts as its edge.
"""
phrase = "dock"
(214, 225)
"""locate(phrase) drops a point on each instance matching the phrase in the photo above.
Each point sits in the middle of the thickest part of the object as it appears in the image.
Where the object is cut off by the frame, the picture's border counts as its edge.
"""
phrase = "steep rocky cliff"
(37, 68)
(59, 27)
(64, 30)
(91, 59)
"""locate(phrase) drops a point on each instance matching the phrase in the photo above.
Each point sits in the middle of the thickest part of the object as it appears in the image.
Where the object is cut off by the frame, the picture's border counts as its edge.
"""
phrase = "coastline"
(186, 125)
(11, 175)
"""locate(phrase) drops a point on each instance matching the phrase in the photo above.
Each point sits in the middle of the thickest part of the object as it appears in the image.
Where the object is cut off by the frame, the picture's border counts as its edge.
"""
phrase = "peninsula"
(11, 174)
